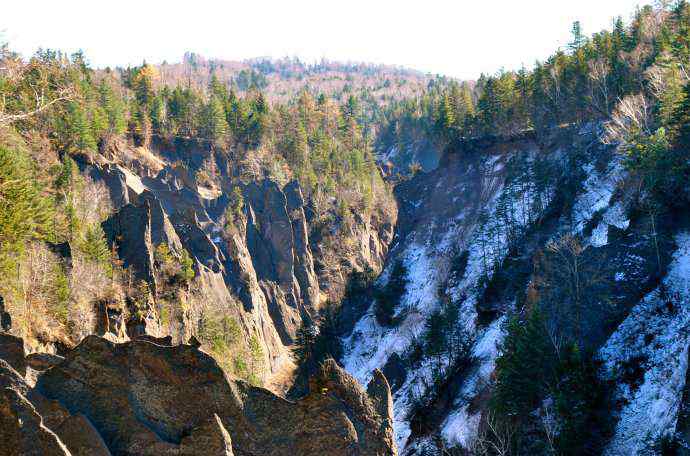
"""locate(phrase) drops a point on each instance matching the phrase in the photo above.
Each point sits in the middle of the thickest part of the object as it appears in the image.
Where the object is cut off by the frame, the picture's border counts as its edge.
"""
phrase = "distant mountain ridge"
(281, 79)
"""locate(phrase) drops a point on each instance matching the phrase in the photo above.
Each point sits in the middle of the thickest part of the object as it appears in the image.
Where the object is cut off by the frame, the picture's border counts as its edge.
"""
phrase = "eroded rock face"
(272, 264)
(144, 398)
(21, 427)
(278, 245)
(210, 438)
(12, 351)
(129, 229)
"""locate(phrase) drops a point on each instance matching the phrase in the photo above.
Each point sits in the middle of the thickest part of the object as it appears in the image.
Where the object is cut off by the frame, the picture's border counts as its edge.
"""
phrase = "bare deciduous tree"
(495, 437)
(599, 91)
(43, 93)
(549, 424)
(632, 116)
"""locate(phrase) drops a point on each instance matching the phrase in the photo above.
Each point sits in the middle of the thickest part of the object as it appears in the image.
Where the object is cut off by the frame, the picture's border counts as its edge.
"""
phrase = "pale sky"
(456, 38)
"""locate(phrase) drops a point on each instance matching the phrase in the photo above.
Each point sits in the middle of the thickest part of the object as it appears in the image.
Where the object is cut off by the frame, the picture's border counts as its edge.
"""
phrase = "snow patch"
(597, 192)
(370, 345)
(461, 427)
(427, 255)
(614, 216)
(655, 335)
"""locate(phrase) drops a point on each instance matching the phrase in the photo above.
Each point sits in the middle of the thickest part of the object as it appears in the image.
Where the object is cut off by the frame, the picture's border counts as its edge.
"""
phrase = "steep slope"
(472, 235)
(443, 214)
(258, 269)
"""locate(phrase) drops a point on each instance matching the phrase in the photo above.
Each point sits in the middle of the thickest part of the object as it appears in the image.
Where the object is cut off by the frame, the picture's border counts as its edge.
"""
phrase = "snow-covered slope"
(509, 201)
(654, 340)
(464, 206)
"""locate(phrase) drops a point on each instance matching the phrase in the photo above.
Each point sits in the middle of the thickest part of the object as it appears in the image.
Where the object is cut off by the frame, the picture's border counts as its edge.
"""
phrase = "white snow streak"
(658, 336)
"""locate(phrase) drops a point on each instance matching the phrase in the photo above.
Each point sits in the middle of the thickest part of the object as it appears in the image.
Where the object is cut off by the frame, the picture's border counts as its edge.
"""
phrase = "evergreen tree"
(25, 212)
(114, 109)
(525, 367)
(388, 298)
(213, 124)
(94, 246)
(578, 38)
(80, 133)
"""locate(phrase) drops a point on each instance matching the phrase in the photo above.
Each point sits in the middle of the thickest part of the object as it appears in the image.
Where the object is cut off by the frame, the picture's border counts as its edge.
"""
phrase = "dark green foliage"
(448, 344)
(525, 368)
(580, 85)
(535, 366)
(444, 337)
(388, 297)
(25, 212)
(304, 345)
(668, 445)
(114, 108)
(315, 344)
(65, 178)
(250, 79)
(94, 245)
(360, 282)
(459, 264)
(213, 125)
(580, 402)
(79, 129)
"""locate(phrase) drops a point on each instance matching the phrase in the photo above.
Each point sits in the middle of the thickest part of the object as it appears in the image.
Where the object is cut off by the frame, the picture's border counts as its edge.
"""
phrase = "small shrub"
(225, 340)
(233, 213)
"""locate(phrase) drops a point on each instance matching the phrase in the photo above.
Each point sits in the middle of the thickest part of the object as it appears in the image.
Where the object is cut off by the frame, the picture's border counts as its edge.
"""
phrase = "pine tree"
(142, 83)
(680, 126)
(94, 246)
(525, 367)
(300, 148)
(578, 38)
(159, 115)
(114, 108)
(214, 125)
(80, 133)
(25, 213)
(218, 90)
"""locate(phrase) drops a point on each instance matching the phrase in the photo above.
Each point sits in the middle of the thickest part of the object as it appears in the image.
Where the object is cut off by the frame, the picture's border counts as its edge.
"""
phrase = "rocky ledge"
(145, 398)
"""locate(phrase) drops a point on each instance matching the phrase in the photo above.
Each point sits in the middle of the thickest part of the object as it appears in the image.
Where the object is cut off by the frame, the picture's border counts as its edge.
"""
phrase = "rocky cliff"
(147, 398)
(471, 238)
(258, 258)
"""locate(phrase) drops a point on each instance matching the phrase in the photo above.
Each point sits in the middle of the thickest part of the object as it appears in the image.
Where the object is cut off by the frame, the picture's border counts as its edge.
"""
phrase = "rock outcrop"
(261, 272)
(142, 398)
(12, 351)
(22, 431)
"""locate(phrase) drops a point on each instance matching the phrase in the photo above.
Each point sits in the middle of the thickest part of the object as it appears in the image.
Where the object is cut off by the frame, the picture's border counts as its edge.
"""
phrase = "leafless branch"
(64, 94)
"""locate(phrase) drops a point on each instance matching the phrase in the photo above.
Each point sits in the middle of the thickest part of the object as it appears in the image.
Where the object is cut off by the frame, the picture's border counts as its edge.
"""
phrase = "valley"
(270, 257)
